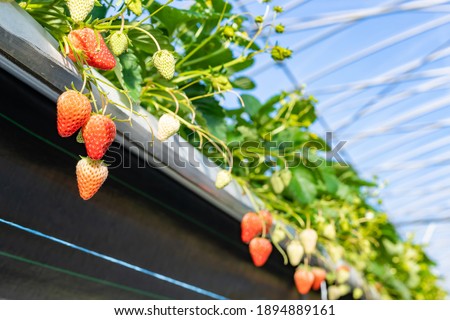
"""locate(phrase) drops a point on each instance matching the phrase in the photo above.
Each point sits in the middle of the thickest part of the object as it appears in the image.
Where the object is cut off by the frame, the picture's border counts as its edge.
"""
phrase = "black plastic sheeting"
(139, 216)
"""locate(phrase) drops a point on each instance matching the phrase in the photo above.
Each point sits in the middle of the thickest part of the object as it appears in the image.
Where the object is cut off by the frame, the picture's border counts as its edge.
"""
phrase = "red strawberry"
(251, 226)
(73, 111)
(90, 176)
(267, 218)
(98, 134)
(303, 280)
(260, 250)
(93, 48)
(319, 276)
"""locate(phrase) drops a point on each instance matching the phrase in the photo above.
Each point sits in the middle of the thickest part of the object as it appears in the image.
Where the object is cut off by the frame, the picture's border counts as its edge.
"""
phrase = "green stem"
(148, 34)
(203, 58)
(204, 42)
(196, 49)
(285, 258)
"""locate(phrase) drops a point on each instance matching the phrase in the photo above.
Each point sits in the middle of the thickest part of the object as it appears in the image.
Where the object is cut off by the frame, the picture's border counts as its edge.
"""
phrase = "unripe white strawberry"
(164, 62)
(278, 235)
(344, 289)
(308, 238)
(342, 274)
(135, 6)
(336, 252)
(329, 231)
(223, 179)
(357, 293)
(118, 42)
(277, 183)
(295, 252)
(286, 176)
(168, 125)
(334, 293)
(79, 9)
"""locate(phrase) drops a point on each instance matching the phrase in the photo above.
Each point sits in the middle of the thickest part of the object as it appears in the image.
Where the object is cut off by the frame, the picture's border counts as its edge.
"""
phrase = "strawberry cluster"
(97, 131)
(88, 46)
(306, 278)
(254, 224)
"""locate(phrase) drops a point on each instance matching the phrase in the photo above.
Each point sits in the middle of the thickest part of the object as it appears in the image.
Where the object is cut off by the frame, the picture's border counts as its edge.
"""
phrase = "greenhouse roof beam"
(332, 18)
(442, 159)
(438, 208)
(411, 128)
(379, 47)
(378, 151)
(441, 52)
(434, 175)
(415, 152)
(421, 202)
(408, 192)
(383, 102)
(402, 205)
(402, 118)
(316, 39)
(382, 80)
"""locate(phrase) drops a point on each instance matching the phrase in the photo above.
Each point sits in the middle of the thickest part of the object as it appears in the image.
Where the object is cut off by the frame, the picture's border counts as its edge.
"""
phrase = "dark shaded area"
(140, 216)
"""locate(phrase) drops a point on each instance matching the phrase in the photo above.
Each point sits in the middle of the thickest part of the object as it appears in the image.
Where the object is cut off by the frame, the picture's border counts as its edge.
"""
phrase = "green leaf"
(129, 74)
(252, 105)
(277, 183)
(294, 135)
(329, 179)
(303, 114)
(99, 12)
(302, 187)
(241, 66)
(215, 118)
(243, 83)
(172, 17)
(210, 111)
(143, 42)
(219, 5)
(213, 54)
(345, 192)
(248, 133)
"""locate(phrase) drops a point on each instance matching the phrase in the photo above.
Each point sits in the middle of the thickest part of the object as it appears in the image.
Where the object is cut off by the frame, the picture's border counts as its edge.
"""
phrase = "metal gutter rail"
(29, 53)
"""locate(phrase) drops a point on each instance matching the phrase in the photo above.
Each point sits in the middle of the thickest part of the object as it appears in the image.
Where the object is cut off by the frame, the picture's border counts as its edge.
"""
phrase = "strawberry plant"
(187, 67)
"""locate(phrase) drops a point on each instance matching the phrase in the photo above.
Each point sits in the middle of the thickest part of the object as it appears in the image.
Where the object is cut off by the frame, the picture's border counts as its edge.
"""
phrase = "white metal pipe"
(403, 69)
(381, 80)
(415, 152)
(355, 15)
(390, 100)
(379, 47)
(407, 116)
